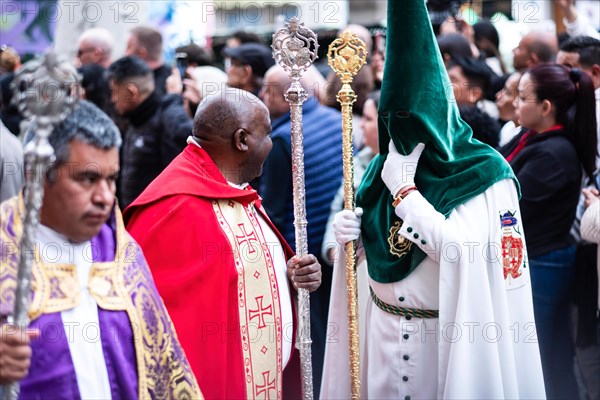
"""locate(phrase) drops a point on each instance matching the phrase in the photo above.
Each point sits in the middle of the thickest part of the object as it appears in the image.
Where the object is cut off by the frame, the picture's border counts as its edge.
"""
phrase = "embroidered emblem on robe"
(513, 252)
(399, 246)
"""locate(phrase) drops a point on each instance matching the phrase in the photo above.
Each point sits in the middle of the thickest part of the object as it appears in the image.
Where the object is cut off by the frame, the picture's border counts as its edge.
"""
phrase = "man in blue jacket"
(322, 130)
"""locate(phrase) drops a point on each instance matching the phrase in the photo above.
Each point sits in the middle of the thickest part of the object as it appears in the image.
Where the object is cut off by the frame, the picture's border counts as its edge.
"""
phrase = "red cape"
(193, 267)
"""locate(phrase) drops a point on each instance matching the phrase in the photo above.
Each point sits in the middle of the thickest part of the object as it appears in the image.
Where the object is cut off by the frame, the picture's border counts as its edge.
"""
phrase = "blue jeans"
(551, 280)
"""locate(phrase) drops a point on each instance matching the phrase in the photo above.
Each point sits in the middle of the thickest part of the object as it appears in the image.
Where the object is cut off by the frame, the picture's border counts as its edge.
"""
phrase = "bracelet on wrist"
(402, 195)
(406, 190)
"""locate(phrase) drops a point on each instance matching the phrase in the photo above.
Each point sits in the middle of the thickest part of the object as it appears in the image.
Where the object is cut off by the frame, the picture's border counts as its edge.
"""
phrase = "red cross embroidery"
(505, 256)
(514, 259)
(246, 237)
(512, 256)
(267, 386)
(260, 312)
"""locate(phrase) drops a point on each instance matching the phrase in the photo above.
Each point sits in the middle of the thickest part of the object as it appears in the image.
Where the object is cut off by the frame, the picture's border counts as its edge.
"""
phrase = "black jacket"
(9, 113)
(157, 133)
(549, 173)
(160, 79)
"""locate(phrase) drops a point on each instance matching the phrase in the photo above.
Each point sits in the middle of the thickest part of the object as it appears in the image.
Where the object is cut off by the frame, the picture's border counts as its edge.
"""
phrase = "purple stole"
(144, 362)
(52, 375)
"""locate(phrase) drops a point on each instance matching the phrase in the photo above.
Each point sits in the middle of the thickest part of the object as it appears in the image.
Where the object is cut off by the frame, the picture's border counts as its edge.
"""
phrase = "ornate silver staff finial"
(292, 50)
(47, 91)
(292, 47)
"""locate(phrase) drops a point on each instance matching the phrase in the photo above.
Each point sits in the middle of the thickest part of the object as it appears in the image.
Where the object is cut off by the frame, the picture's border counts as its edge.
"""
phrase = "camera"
(181, 61)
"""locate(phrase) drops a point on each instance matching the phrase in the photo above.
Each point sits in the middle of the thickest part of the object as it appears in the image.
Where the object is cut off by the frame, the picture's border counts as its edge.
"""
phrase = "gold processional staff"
(347, 55)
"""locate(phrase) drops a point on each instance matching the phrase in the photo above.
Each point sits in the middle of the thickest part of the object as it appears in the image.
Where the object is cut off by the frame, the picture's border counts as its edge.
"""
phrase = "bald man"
(534, 48)
(224, 271)
(95, 46)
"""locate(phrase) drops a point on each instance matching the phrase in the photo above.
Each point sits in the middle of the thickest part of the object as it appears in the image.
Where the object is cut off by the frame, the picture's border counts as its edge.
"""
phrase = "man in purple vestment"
(98, 326)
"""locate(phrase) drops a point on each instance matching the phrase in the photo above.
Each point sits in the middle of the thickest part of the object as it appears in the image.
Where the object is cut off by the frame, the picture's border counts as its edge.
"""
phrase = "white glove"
(398, 170)
(346, 225)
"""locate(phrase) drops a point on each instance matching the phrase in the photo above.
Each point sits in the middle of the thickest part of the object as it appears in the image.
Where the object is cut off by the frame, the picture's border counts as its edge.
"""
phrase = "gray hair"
(86, 123)
(99, 37)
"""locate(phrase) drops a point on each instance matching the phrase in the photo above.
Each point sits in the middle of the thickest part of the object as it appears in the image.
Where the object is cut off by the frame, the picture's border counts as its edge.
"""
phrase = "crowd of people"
(177, 248)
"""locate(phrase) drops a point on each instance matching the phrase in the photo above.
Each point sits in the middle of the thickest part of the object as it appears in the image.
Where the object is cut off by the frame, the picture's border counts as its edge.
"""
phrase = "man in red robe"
(224, 271)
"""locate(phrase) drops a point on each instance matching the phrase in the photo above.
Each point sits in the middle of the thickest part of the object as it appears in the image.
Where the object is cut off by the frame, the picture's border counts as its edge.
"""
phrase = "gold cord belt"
(405, 312)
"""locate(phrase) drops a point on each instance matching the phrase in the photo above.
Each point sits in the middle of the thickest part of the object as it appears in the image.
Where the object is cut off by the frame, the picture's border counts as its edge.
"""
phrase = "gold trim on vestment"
(258, 299)
(124, 284)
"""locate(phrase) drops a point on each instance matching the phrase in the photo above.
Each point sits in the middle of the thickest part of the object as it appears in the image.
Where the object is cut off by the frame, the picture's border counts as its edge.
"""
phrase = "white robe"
(483, 345)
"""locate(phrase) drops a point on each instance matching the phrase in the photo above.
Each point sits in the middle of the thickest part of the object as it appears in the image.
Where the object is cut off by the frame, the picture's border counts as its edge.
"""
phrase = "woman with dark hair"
(556, 105)
(453, 46)
(487, 41)
(505, 101)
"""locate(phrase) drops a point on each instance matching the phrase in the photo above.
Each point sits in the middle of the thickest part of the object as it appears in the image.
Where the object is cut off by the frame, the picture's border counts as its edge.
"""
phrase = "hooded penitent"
(417, 105)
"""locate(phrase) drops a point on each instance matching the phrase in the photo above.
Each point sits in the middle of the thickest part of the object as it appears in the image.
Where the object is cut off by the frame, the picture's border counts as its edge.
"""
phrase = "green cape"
(417, 105)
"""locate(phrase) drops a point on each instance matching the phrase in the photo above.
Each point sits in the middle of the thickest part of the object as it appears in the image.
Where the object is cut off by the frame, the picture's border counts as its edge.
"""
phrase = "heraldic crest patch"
(399, 246)
(512, 246)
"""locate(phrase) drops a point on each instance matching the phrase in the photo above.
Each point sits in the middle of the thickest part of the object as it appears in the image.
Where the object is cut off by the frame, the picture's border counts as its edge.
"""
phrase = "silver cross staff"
(292, 50)
(46, 91)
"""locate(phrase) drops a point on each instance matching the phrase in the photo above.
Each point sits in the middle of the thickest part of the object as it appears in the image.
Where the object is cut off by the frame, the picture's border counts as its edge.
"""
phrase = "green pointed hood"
(417, 105)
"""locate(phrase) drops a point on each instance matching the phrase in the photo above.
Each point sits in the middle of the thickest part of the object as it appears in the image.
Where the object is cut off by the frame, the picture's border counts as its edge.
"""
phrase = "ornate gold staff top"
(47, 92)
(347, 55)
(292, 50)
